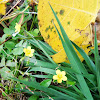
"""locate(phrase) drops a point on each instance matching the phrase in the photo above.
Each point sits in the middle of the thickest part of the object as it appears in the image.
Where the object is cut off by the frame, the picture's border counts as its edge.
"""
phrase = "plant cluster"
(27, 70)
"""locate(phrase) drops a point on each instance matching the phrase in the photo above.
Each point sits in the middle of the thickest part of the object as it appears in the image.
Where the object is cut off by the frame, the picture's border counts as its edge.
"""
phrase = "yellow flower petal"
(32, 50)
(31, 55)
(26, 54)
(29, 47)
(55, 77)
(24, 49)
(60, 76)
(58, 71)
(28, 51)
(63, 73)
(2, 8)
(64, 78)
(17, 27)
(59, 80)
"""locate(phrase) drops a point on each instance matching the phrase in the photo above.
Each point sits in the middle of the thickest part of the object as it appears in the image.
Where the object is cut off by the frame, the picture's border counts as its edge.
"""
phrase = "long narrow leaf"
(46, 90)
(43, 64)
(71, 93)
(41, 47)
(97, 62)
(43, 76)
(86, 58)
(46, 70)
(74, 59)
(46, 64)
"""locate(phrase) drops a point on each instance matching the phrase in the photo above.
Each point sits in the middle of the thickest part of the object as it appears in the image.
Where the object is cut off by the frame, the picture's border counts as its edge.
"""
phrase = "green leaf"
(54, 98)
(35, 32)
(46, 64)
(71, 82)
(25, 44)
(19, 44)
(17, 51)
(39, 45)
(69, 92)
(6, 73)
(43, 44)
(47, 46)
(2, 62)
(8, 31)
(33, 97)
(9, 45)
(46, 82)
(74, 59)
(43, 76)
(3, 37)
(46, 70)
(1, 47)
(10, 63)
(50, 91)
(97, 61)
(86, 58)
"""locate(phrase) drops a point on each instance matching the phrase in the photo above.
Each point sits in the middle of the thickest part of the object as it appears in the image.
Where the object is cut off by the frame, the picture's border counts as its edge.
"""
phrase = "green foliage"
(83, 80)
(74, 60)
(17, 51)
(46, 82)
(34, 97)
(33, 76)
(9, 45)
(8, 31)
(11, 50)
(6, 73)
(2, 62)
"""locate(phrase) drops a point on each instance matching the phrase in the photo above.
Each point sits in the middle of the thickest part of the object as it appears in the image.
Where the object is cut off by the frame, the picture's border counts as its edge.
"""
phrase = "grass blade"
(50, 91)
(97, 62)
(74, 59)
(71, 93)
(41, 47)
(46, 70)
(86, 58)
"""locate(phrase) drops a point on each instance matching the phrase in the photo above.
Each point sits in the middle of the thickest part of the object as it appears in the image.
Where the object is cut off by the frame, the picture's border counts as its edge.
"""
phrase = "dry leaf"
(75, 16)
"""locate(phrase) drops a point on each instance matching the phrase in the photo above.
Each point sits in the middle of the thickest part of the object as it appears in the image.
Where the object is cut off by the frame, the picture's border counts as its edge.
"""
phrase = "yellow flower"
(28, 51)
(60, 76)
(3, 6)
(17, 27)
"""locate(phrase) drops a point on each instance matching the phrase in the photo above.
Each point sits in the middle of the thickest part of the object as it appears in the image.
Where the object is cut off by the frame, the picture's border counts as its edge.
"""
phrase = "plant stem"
(6, 94)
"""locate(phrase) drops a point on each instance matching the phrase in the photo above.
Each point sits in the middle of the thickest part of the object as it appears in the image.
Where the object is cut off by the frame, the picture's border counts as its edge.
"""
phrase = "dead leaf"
(75, 16)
